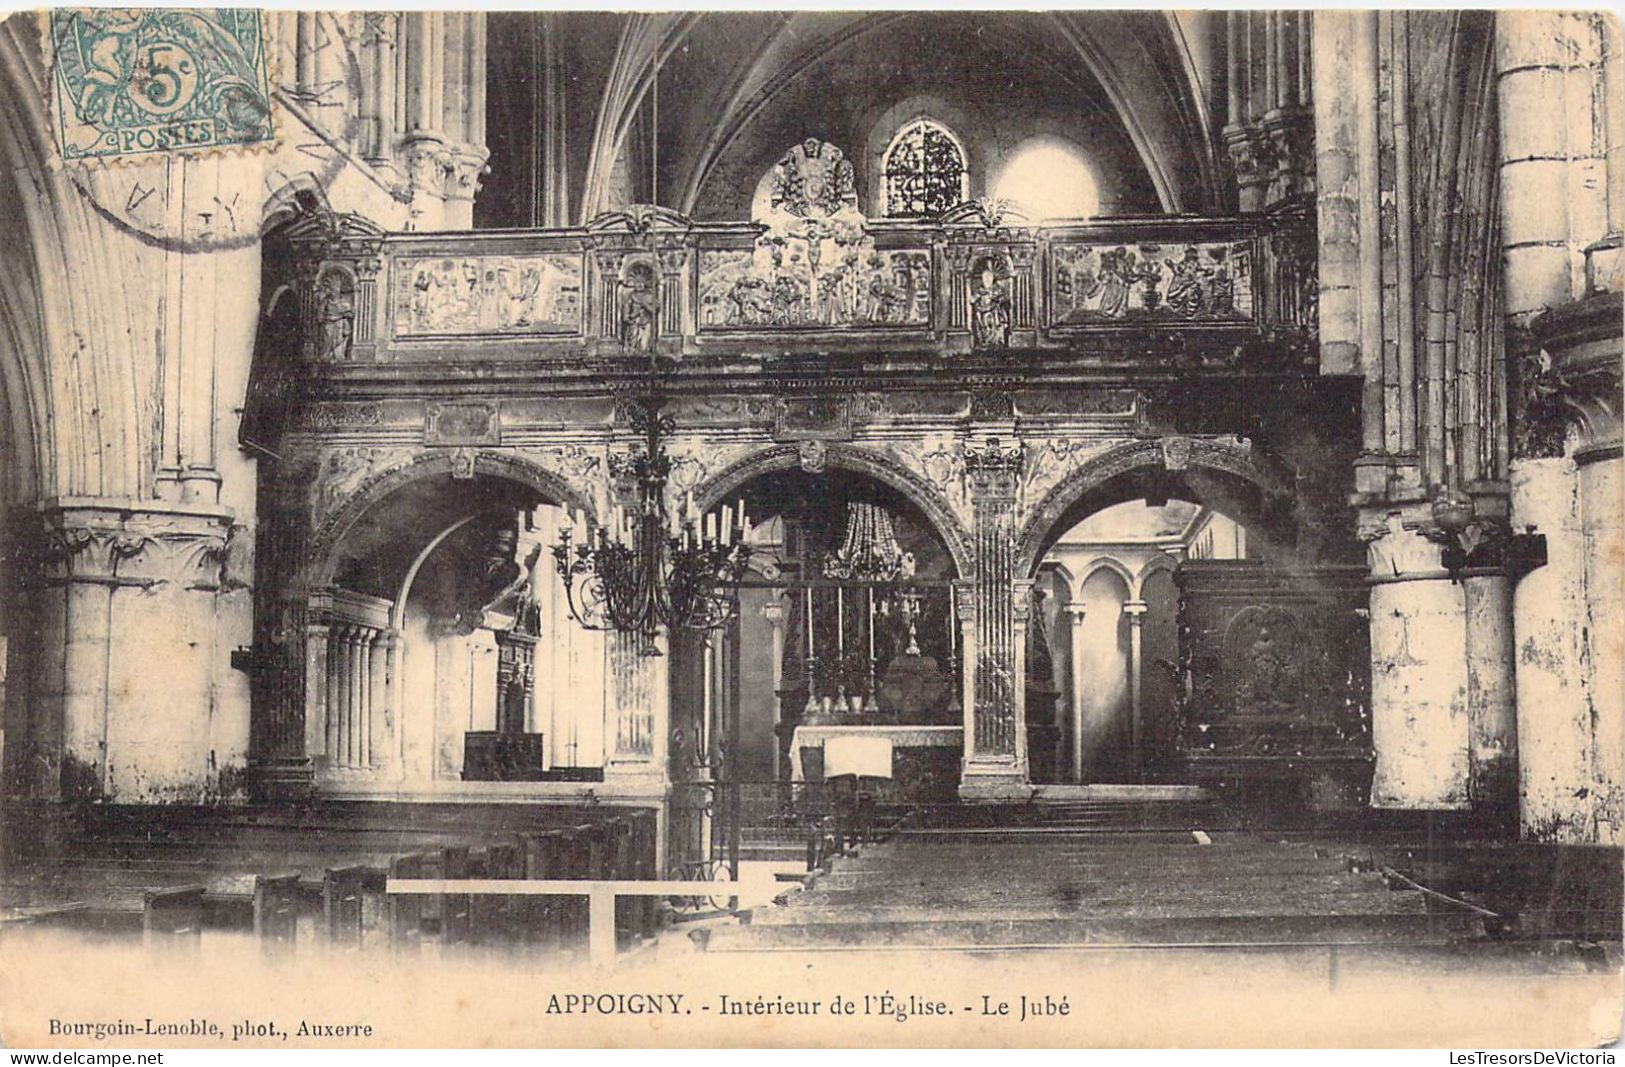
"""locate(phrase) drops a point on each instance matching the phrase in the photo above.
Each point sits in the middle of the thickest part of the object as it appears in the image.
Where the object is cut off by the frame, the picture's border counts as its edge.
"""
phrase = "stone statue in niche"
(336, 312)
(640, 308)
(990, 303)
(498, 581)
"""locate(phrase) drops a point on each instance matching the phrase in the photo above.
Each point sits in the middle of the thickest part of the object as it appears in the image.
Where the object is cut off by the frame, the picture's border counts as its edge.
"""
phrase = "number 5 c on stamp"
(129, 82)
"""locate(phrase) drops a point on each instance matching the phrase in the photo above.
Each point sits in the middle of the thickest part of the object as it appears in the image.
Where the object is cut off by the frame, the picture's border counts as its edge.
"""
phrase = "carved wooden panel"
(1276, 666)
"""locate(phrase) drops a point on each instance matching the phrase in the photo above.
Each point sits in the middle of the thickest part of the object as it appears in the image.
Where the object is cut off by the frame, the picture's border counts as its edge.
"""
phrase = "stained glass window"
(925, 171)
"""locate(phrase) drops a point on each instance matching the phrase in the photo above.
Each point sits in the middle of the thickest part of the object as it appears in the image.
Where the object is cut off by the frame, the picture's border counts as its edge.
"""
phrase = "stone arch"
(1229, 461)
(1163, 562)
(858, 460)
(1106, 563)
(328, 537)
(1060, 568)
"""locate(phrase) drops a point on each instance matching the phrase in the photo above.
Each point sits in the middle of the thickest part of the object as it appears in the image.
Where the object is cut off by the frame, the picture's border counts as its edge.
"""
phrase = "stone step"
(850, 875)
(1160, 932)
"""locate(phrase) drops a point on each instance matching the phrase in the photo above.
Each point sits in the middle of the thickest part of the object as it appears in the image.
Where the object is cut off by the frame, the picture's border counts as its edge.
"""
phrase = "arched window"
(1049, 178)
(924, 170)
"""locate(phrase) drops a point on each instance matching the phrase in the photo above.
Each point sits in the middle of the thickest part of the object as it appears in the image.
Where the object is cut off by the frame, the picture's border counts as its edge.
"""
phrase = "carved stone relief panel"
(343, 471)
(437, 296)
(462, 424)
(814, 280)
(1145, 283)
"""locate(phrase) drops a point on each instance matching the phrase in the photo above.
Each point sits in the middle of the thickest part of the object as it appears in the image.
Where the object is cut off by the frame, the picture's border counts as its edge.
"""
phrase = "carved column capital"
(994, 470)
(1252, 157)
(965, 601)
(112, 543)
(1398, 548)
(1021, 600)
(467, 167)
(428, 162)
(1582, 341)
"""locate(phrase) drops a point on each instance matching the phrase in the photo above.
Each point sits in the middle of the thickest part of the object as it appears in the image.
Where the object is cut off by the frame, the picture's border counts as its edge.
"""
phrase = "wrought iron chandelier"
(649, 568)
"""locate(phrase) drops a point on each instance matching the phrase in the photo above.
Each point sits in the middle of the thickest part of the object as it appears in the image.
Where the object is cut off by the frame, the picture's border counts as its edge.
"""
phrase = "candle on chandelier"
(578, 523)
(727, 524)
(744, 522)
(711, 526)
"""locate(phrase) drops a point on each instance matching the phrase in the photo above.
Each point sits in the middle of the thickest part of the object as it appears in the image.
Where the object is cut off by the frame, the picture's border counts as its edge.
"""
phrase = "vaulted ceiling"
(700, 105)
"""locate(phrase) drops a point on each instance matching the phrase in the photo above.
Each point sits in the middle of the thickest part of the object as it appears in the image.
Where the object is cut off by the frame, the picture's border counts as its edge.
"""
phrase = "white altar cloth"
(865, 753)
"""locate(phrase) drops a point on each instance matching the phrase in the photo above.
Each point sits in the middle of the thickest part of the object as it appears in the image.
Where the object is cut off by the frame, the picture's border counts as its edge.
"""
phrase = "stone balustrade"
(1147, 293)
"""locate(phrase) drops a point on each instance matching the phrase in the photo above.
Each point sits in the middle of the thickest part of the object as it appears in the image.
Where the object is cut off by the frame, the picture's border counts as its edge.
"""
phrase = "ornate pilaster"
(995, 763)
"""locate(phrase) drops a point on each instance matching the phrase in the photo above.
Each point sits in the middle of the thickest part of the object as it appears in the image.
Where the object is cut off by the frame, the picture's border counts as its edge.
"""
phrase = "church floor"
(1095, 875)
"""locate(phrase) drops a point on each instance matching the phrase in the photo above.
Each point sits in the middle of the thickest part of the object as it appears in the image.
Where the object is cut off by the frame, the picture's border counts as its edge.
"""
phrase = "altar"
(909, 762)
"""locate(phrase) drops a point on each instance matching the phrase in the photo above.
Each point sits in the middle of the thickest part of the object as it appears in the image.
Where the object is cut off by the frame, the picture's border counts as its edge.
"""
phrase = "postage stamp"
(131, 82)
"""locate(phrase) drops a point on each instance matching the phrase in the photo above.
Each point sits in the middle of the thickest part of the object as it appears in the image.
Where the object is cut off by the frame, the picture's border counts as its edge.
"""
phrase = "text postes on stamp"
(130, 82)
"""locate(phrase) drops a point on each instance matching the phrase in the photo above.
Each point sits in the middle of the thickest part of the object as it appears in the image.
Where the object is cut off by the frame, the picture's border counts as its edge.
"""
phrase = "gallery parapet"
(1233, 293)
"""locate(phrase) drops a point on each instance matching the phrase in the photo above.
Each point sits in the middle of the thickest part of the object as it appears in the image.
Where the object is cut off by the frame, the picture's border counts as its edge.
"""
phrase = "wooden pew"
(276, 911)
(351, 900)
(173, 916)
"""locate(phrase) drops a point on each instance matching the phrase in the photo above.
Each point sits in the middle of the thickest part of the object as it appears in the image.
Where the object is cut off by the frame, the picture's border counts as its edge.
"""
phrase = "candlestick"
(840, 622)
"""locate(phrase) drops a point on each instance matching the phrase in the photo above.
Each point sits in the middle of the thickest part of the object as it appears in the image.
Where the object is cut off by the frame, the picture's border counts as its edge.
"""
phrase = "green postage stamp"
(129, 82)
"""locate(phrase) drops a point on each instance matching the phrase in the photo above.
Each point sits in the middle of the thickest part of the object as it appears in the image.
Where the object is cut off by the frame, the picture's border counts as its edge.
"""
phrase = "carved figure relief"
(487, 294)
(640, 307)
(336, 312)
(1264, 651)
(1208, 282)
(815, 264)
(990, 303)
(814, 277)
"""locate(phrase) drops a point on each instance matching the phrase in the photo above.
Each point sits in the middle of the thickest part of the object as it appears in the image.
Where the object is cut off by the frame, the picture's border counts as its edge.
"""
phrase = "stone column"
(1420, 727)
(386, 739)
(1021, 611)
(1135, 610)
(773, 612)
(995, 767)
(1075, 610)
(1575, 744)
(1492, 711)
(122, 692)
(1559, 226)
